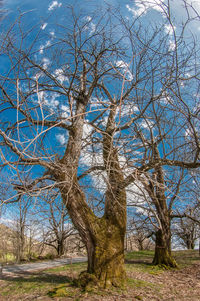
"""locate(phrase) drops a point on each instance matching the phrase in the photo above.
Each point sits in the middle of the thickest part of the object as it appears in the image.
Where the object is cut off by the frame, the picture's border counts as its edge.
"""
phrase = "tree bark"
(60, 248)
(156, 190)
(162, 255)
(106, 255)
(104, 241)
(103, 237)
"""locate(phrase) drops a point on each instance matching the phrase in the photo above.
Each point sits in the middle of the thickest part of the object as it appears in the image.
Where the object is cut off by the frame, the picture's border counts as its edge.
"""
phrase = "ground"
(145, 282)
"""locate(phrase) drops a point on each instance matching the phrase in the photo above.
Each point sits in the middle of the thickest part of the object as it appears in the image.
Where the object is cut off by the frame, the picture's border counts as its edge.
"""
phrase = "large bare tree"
(94, 85)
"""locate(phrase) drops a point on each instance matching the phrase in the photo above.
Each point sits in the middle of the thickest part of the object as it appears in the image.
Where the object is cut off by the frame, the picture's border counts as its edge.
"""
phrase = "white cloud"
(52, 33)
(44, 26)
(64, 108)
(125, 67)
(166, 99)
(93, 28)
(88, 18)
(146, 124)
(6, 221)
(188, 133)
(50, 100)
(45, 63)
(53, 102)
(89, 158)
(127, 110)
(65, 111)
(169, 29)
(61, 138)
(41, 96)
(42, 47)
(60, 76)
(141, 6)
(172, 45)
(122, 64)
(130, 9)
(54, 5)
(90, 25)
(87, 129)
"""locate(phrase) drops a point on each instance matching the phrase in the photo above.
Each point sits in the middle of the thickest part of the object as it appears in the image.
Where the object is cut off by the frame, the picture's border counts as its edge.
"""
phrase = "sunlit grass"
(76, 267)
(59, 281)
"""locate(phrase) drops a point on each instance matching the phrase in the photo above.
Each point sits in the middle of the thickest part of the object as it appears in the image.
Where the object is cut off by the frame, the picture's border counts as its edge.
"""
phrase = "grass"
(186, 258)
(141, 261)
(32, 284)
(58, 282)
(77, 267)
(139, 283)
(140, 255)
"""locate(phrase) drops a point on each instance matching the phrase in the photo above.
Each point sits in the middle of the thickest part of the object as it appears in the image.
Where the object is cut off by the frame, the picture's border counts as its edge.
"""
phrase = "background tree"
(19, 227)
(139, 231)
(56, 224)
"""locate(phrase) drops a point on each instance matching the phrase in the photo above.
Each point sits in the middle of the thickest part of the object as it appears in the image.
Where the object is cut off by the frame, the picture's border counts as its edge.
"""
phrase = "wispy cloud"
(141, 7)
(54, 5)
(43, 26)
(62, 139)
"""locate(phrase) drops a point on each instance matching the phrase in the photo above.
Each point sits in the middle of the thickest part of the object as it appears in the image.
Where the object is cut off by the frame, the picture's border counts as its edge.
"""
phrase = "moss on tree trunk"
(106, 262)
(162, 254)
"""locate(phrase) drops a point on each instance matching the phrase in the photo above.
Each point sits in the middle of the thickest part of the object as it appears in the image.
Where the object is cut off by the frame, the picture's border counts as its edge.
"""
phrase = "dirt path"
(29, 267)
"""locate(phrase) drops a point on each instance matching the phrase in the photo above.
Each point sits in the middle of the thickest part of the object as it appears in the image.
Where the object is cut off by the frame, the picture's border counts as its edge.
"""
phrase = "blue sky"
(42, 9)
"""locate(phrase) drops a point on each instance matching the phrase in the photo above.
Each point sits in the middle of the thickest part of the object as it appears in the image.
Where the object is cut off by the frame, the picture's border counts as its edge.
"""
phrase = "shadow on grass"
(38, 278)
(143, 262)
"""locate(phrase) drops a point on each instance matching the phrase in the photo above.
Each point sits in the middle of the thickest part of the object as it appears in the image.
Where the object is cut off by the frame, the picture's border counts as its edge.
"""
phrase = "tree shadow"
(38, 277)
(144, 262)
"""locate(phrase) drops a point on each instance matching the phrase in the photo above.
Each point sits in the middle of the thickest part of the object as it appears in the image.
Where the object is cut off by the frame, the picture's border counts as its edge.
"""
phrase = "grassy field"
(145, 281)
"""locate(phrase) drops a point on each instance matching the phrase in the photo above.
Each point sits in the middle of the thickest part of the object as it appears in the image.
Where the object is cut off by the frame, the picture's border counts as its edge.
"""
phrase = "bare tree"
(56, 223)
(19, 228)
(140, 231)
(119, 81)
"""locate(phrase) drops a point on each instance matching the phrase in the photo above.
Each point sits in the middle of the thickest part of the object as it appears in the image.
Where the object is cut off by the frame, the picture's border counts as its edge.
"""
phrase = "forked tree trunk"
(103, 237)
(104, 241)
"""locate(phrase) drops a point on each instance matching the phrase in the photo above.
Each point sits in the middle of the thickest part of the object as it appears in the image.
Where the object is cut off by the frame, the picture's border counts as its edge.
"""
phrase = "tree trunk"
(157, 188)
(60, 248)
(103, 237)
(162, 254)
(105, 257)
(140, 244)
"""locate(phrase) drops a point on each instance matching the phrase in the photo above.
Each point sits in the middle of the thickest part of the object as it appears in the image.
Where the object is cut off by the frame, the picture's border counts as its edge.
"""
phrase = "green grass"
(142, 261)
(140, 255)
(185, 258)
(33, 284)
(139, 283)
(76, 267)
(22, 287)
(59, 281)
